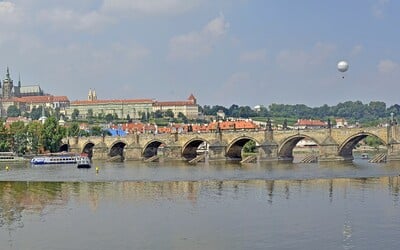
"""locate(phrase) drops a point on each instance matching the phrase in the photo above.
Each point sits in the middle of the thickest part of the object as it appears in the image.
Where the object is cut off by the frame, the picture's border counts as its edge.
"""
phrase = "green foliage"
(52, 134)
(249, 147)
(13, 111)
(353, 111)
(169, 113)
(89, 113)
(33, 134)
(97, 131)
(73, 129)
(75, 114)
(36, 113)
(109, 117)
(5, 139)
(373, 141)
(182, 117)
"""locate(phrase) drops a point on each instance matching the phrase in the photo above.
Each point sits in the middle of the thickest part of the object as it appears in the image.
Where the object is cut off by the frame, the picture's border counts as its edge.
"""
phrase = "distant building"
(135, 108)
(221, 114)
(189, 108)
(309, 124)
(341, 123)
(26, 98)
(11, 120)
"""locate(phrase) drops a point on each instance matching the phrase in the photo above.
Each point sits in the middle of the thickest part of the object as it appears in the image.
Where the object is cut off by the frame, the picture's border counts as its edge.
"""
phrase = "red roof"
(175, 103)
(88, 102)
(42, 99)
(310, 123)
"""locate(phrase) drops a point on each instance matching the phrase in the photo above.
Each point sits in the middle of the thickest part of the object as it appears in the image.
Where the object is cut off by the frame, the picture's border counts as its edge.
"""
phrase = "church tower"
(7, 86)
(17, 89)
(92, 95)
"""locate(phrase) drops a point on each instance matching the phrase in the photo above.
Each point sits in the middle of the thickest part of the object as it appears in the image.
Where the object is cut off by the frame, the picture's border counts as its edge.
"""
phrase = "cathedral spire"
(8, 73)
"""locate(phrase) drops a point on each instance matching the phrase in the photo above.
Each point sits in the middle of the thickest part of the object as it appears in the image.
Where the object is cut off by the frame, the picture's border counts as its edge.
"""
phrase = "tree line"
(36, 138)
(353, 111)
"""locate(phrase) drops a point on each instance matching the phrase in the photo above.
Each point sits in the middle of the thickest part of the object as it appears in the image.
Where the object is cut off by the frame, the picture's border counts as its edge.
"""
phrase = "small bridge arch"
(346, 148)
(64, 147)
(234, 149)
(88, 149)
(117, 149)
(190, 149)
(151, 148)
(285, 151)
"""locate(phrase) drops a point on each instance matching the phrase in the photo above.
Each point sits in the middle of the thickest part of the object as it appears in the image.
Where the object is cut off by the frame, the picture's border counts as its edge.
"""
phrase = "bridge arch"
(234, 149)
(117, 149)
(190, 148)
(88, 149)
(151, 148)
(346, 148)
(285, 151)
(64, 147)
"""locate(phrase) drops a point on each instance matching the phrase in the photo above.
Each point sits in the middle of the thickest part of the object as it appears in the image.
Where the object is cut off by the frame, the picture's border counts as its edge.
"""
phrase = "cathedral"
(26, 97)
(8, 90)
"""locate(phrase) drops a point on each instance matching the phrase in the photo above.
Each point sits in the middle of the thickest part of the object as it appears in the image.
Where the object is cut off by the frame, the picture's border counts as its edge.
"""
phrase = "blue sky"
(244, 52)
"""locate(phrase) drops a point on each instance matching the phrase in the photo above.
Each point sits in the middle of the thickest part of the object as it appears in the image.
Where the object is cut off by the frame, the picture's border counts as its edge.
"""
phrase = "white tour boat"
(81, 161)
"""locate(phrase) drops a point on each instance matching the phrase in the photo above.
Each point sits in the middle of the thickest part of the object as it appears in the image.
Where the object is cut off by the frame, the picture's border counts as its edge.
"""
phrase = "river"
(135, 205)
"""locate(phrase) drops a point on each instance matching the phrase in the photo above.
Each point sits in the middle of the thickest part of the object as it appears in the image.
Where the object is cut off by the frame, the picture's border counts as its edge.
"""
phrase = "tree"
(75, 114)
(182, 117)
(158, 114)
(109, 118)
(13, 111)
(169, 113)
(97, 131)
(249, 147)
(73, 130)
(36, 113)
(89, 113)
(20, 138)
(34, 136)
(52, 135)
(5, 139)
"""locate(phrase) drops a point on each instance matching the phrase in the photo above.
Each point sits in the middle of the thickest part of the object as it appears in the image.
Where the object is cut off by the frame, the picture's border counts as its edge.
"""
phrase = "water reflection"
(42, 198)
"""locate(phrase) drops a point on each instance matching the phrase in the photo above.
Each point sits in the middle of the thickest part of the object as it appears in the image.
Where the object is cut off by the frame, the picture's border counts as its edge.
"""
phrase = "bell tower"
(7, 86)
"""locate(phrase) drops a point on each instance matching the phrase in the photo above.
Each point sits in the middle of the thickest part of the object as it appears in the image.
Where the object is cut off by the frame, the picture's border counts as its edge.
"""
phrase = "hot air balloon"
(343, 66)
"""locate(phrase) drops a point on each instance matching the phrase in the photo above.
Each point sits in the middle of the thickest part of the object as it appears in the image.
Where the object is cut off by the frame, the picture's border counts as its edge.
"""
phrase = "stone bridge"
(333, 144)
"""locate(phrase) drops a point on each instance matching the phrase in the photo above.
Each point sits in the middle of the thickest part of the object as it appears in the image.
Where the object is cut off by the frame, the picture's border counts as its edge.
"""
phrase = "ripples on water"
(177, 206)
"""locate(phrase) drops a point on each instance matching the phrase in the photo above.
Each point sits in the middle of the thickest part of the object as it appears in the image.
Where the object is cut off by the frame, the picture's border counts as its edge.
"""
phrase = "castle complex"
(25, 98)
(134, 108)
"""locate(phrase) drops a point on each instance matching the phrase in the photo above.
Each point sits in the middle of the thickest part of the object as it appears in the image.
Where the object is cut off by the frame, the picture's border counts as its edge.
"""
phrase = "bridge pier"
(268, 152)
(133, 153)
(100, 152)
(394, 145)
(329, 151)
(216, 152)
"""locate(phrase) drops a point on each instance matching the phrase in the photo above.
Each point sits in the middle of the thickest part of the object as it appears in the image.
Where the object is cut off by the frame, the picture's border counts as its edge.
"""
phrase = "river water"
(134, 205)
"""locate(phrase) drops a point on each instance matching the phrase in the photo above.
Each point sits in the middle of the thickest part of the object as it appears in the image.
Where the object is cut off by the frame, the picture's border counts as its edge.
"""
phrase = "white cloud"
(254, 56)
(388, 66)
(238, 79)
(149, 6)
(70, 19)
(6, 7)
(378, 9)
(10, 14)
(357, 50)
(301, 60)
(197, 44)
